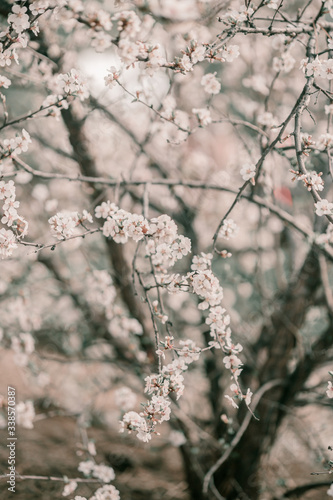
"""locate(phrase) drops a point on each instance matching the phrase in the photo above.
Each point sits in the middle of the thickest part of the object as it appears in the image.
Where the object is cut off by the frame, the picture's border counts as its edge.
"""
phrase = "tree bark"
(122, 271)
(239, 477)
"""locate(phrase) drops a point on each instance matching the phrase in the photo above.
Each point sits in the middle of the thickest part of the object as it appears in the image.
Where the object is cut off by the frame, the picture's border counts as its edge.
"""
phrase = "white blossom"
(329, 391)
(72, 83)
(325, 141)
(230, 53)
(234, 17)
(106, 492)
(229, 229)
(125, 398)
(38, 7)
(19, 19)
(284, 63)
(177, 438)
(267, 119)
(111, 78)
(248, 171)
(197, 52)
(203, 115)
(324, 207)
(18, 144)
(101, 41)
(25, 414)
(210, 83)
(103, 473)
(86, 467)
(128, 23)
(7, 242)
(248, 397)
(4, 82)
(69, 488)
(64, 224)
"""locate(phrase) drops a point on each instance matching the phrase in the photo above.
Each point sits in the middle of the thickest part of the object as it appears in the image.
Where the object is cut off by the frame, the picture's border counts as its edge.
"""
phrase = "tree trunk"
(239, 477)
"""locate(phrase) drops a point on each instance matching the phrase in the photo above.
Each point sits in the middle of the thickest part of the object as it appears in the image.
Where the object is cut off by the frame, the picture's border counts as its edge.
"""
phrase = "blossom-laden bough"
(136, 191)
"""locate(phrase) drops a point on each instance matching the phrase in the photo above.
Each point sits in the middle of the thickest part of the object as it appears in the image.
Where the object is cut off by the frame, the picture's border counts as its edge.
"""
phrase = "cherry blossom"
(18, 144)
(112, 77)
(169, 166)
(101, 41)
(125, 398)
(4, 82)
(248, 171)
(229, 229)
(324, 207)
(103, 472)
(210, 83)
(25, 414)
(69, 488)
(7, 242)
(284, 63)
(72, 83)
(230, 53)
(19, 19)
(203, 116)
(234, 17)
(107, 492)
(329, 391)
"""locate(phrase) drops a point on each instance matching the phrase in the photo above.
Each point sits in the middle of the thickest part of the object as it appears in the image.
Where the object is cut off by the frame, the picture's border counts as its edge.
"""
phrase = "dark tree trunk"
(278, 344)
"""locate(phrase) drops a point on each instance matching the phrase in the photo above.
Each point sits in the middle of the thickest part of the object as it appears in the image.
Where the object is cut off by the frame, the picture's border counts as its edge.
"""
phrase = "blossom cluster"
(64, 224)
(19, 23)
(329, 390)
(324, 142)
(101, 293)
(284, 63)
(120, 224)
(17, 145)
(126, 30)
(73, 83)
(210, 83)
(160, 387)
(229, 229)
(324, 207)
(25, 414)
(19, 19)
(100, 471)
(327, 237)
(125, 398)
(236, 17)
(97, 19)
(106, 492)
(11, 218)
(111, 79)
(23, 346)
(53, 104)
(205, 284)
(5, 82)
(248, 172)
(7, 56)
(203, 115)
(170, 380)
(322, 68)
(312, 180)
(166, 246)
